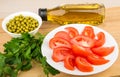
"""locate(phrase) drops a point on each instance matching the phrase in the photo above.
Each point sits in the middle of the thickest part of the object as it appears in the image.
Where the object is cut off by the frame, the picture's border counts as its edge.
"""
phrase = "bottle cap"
(43, 13)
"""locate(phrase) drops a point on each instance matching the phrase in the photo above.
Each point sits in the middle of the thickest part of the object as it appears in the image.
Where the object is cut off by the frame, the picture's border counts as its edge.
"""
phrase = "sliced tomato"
(97, 60)
(81, 51)
(83, 65)
(60, 53)
(62, 34)
(69, 62)
(100, 39)
(88, 32)
(72, 31)
(57, 42)
(103, 51)
(83, 41)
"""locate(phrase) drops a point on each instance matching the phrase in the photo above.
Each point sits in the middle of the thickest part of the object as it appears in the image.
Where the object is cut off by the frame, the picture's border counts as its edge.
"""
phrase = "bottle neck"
(43, 13)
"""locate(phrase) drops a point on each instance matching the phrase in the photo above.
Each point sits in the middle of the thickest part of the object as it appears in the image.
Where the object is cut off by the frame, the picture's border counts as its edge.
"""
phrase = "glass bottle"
(92, 14)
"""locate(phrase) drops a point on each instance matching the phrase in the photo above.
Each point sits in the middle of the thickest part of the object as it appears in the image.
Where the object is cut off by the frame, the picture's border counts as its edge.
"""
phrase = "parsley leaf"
(19, 53)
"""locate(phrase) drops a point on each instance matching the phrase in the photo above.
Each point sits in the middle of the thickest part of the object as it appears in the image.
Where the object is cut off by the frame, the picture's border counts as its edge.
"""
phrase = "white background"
(10, 6)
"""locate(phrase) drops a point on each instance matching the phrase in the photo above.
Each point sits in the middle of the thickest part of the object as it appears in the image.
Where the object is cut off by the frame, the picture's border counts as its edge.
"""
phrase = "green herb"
(19, 53)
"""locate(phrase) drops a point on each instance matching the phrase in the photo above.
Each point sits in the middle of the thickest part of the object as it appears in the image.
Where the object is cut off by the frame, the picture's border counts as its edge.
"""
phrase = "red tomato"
(62, 34)
(59, 53)
(69, 62)
(103, 51)
(57, 42)
(100, 39)
(83, 41)
(83, 65)
(88, 32)
(81, 51)
(72, 31)
(97, 60)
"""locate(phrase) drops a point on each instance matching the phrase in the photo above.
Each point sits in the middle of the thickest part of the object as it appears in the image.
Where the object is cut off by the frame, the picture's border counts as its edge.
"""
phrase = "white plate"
(110, 41)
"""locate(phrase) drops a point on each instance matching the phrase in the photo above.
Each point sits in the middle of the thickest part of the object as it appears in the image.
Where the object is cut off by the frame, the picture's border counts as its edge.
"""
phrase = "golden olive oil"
(92, 14)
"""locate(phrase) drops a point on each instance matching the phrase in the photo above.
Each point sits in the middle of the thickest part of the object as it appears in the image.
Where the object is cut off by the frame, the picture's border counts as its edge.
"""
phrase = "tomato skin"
(83, 65)
(62, 34)
(72, 31)
(100, 39)
(69, 62)
(81, 51)
(88, 32)
(83, 41)
(97, 60)
(57, 42)
(59, 53)
(103, 51)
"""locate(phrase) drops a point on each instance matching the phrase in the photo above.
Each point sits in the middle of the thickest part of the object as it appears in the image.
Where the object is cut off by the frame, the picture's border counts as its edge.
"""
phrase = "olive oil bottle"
(92, 14)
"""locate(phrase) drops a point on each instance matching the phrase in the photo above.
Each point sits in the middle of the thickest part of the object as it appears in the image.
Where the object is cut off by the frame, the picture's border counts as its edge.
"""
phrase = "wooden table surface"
(111, 25)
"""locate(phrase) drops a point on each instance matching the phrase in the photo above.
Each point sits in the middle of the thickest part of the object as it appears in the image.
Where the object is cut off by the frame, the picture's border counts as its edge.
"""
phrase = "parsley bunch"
(19, 53)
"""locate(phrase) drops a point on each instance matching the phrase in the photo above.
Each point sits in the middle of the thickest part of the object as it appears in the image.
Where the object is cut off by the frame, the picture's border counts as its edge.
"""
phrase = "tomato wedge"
(97, 60)
(59, 53)
(57, 42)
(100, 39)
(69, 62)
(81, 51)
(103, 51)
(83, 65)
(88, 32)
(83, 41)
(72, 31)
(62, 34)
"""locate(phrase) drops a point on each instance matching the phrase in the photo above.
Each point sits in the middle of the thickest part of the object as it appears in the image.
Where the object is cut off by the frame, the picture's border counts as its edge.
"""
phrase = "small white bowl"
(24, 13)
